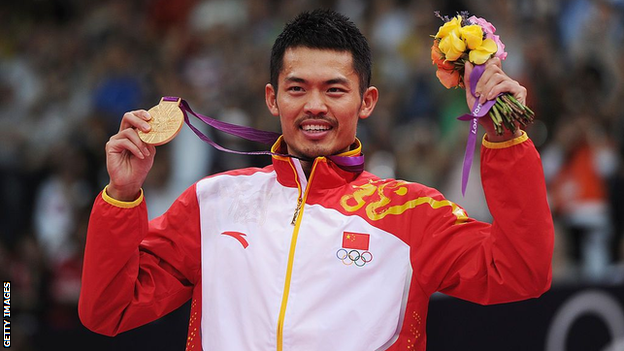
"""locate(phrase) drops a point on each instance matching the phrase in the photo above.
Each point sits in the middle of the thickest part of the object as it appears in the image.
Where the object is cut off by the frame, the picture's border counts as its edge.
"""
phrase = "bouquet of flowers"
(471, 38)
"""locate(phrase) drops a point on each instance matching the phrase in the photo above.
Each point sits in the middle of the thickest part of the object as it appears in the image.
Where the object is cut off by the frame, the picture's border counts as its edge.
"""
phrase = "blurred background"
(69, 69)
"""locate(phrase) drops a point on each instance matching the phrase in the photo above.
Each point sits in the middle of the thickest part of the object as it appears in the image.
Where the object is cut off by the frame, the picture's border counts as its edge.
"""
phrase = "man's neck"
(306, 166)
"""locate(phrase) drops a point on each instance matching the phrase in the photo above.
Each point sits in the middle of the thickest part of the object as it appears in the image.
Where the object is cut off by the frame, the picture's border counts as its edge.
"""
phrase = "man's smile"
(315, 128)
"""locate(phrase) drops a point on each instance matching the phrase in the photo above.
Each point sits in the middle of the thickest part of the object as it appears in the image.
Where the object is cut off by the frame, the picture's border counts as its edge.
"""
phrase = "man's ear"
(270, 96)
(369, 101)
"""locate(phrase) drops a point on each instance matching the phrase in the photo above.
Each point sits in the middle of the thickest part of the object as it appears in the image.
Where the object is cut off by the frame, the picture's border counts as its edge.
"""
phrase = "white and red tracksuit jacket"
(339, 261)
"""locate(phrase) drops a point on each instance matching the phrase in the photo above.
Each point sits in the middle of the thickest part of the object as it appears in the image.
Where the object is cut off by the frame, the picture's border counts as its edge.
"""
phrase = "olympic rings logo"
(354, 257)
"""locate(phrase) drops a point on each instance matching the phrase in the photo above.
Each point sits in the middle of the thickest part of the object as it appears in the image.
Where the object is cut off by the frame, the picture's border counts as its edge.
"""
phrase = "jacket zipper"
(297, 209)
(296, 222)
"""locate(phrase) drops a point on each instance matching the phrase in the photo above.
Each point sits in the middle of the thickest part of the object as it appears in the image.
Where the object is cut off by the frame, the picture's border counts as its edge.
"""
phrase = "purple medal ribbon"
(353, 164)
(478, 111)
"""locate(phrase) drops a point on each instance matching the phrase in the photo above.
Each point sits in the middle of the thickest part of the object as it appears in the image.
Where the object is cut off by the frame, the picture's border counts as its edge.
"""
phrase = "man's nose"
(315, 104)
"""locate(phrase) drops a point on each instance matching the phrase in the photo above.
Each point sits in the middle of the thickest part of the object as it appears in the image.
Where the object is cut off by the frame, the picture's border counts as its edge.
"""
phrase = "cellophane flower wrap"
(469, 38)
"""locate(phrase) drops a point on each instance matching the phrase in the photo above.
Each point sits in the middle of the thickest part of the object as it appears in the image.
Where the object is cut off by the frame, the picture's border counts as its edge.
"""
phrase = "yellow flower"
(452, 46)
(482, 53)
(449, 27)
(472, 35)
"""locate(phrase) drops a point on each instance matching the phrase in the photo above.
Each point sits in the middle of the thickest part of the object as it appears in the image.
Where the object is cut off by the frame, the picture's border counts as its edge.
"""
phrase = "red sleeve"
(508, 260)
(136, 271)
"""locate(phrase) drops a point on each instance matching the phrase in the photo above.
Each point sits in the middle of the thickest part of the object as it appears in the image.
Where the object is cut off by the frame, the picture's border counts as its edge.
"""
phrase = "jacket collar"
(325, 174)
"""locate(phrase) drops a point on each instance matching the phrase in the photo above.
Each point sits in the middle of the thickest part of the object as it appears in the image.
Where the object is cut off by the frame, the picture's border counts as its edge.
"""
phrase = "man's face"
(318, 101)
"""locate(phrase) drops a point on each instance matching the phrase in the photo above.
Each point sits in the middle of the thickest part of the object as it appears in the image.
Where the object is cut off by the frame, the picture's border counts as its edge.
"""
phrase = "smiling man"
(306, 254)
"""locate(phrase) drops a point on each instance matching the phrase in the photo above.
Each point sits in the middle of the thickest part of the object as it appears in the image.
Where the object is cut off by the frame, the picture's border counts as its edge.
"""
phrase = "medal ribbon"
(478, 111)
(353, 164)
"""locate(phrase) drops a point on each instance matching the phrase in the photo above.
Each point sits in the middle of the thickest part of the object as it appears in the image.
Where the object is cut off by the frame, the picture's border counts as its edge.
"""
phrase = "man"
(302, 254)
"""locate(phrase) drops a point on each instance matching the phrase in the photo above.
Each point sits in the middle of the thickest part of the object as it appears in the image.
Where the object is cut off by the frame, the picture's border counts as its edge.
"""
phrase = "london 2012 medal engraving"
(166, 122)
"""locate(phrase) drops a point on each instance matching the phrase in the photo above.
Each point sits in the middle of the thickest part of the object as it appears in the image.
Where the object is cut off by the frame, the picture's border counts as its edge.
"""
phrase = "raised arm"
(506, 261)
(510, 259)
(136, 271)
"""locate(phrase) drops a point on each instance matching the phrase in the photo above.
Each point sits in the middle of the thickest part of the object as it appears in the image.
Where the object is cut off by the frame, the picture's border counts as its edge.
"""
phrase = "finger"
(470, 99)
(495, 84)
(492, 77)
(120, 142)
(500, 83)
(119, 146)
(468, 66)
(494, 61)
(128, 139)
(135, 119)
(512, 87)
(151, 149)
(492, 67)
(133, 136)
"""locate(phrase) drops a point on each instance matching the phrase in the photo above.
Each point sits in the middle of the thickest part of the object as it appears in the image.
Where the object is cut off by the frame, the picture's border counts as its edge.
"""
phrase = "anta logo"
(354, 249)
(238, 236)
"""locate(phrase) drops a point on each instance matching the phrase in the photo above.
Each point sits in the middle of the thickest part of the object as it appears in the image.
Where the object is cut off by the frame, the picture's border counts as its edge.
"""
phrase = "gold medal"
(166, 122)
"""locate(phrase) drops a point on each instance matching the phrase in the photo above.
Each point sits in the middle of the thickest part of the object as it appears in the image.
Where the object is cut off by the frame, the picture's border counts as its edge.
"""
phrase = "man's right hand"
(128, 158)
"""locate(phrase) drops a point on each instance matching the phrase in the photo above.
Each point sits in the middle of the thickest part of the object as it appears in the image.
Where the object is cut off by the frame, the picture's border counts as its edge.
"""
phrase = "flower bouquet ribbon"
(166, 113)
(470, 38)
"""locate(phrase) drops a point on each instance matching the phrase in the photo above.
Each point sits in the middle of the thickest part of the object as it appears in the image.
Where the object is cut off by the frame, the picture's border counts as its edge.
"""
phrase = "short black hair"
(323, 29)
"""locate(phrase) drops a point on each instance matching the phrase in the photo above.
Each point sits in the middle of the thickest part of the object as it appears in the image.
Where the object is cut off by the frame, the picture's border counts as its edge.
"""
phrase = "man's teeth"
(315, 128)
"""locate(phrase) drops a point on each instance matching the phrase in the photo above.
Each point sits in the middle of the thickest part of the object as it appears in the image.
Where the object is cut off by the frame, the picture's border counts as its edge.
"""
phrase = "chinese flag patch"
(357, 241)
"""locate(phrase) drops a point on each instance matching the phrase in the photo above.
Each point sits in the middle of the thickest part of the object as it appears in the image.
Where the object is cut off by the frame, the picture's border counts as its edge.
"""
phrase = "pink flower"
(489, 30)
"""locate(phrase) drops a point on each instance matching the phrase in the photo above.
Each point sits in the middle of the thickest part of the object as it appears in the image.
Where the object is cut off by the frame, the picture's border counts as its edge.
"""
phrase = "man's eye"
(295, 89)
(335, 90)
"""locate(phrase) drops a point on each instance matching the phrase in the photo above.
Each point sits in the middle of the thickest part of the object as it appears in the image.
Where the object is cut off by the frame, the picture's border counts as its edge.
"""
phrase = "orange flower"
(450, 79)
(437, 57)
(447, 73)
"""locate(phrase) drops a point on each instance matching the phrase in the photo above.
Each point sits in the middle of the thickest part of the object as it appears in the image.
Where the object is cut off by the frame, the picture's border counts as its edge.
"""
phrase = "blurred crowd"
(69, 69)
